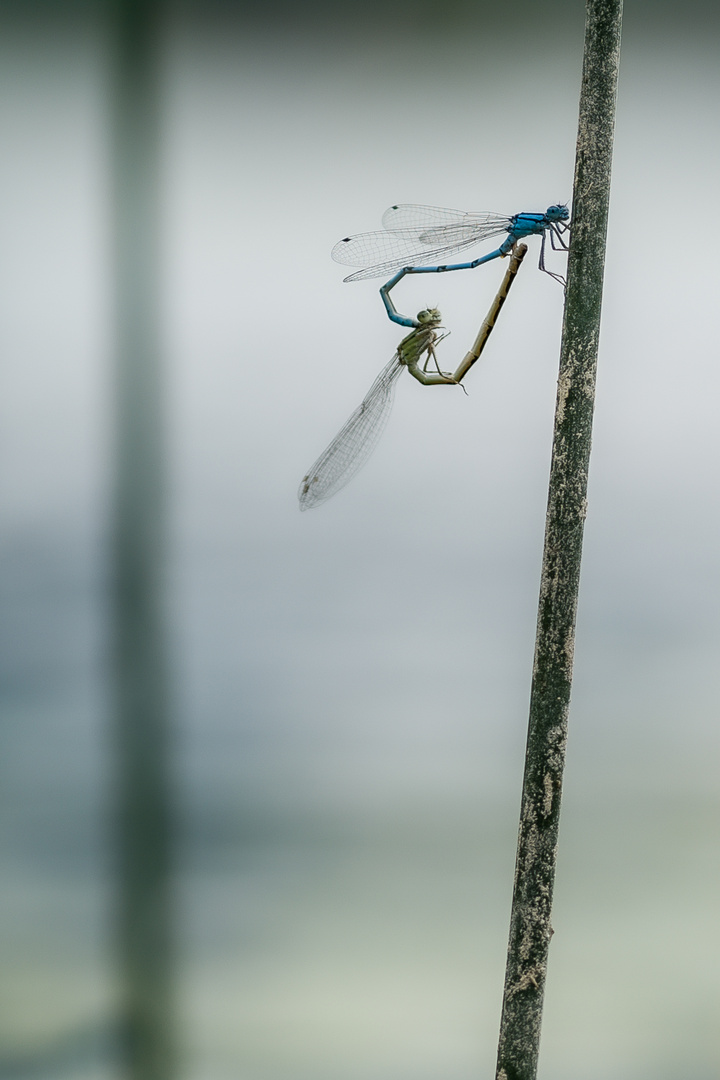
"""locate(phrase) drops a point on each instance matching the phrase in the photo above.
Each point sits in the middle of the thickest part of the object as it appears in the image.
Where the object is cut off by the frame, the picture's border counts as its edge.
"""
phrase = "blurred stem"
(143, 922)
(530, 929)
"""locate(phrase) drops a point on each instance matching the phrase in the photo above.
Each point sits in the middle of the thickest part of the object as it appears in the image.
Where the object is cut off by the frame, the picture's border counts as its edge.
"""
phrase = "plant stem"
(530, 929)
(142, 713)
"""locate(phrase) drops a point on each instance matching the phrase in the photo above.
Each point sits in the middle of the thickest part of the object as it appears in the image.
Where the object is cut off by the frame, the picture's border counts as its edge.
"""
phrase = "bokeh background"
(350, 685)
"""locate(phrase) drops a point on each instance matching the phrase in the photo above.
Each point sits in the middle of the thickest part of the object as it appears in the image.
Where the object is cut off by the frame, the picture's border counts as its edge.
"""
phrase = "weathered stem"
(530, 929)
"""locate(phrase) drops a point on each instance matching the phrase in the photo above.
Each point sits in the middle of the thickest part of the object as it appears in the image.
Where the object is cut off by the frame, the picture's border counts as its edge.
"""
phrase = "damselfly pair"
(413, 235)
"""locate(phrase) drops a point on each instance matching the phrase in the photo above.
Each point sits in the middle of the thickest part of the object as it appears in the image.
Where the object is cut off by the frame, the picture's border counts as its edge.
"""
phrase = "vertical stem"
(530, 929)
(139, 650)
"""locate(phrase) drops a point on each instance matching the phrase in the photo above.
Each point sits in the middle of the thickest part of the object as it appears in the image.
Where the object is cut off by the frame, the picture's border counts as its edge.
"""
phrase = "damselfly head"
(557, 213)
(428, 316)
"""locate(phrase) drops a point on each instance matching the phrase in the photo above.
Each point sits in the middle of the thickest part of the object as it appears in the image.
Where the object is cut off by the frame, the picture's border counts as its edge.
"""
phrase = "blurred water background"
(349, 686)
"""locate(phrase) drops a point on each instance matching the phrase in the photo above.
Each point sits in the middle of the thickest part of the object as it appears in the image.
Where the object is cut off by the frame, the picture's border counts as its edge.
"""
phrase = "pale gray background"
(351, 684)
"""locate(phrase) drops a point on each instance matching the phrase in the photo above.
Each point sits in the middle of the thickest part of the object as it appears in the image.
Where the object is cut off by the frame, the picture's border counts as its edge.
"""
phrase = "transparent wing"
(384, 252)
(354, 443)
(435, 234)
(417, 216)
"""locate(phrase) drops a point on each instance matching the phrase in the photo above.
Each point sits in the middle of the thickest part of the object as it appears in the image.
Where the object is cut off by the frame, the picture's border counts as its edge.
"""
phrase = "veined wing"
(354, 443)
(382, 252)
(417, 216)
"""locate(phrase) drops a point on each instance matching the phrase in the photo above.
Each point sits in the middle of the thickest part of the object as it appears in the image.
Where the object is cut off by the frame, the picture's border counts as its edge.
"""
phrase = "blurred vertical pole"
(530, 929)
(143, 909)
